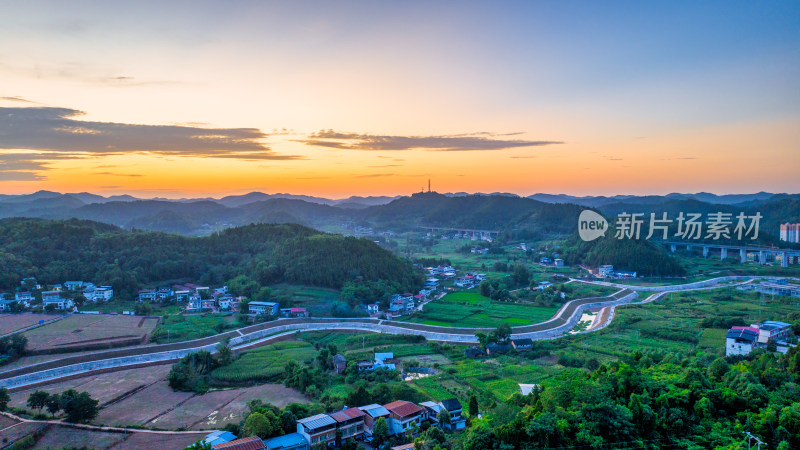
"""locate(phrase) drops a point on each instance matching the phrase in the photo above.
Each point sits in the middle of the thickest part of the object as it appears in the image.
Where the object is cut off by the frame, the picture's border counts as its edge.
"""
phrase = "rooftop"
(248, 443)
(347, 414)
(318, 421)
(403, 408)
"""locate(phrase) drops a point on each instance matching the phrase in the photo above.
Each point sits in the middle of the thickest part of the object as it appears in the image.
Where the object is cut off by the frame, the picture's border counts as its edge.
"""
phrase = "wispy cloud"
(16, 99)
(56, 130)
(119, 174)
(375, 175)
(27, 166)
(457, 142)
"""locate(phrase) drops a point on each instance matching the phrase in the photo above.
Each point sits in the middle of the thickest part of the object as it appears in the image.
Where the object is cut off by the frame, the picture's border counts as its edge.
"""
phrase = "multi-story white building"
(741, 340)
(790, 232)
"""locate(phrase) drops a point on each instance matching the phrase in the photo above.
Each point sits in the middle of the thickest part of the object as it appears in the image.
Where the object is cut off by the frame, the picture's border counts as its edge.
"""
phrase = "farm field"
(264, 364)
(142, 397)
(104, 387)
(57, 436)
(10, 323)
(470, 309)
(78, 331)
(184, 327)
(674, 324)
(218, 408)
(316, 300)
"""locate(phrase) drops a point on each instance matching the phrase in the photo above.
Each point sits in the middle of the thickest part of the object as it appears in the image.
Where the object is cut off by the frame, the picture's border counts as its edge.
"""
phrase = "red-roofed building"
(349, 422)
(298, 312)
(248, 443)
(402, 414)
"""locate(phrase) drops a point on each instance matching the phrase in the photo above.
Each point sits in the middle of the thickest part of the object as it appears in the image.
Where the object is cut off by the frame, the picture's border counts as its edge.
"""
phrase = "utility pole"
(750, 437)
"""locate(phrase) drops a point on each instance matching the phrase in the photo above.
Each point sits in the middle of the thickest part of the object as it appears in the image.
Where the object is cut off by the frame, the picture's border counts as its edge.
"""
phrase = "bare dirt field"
(57, 436)
(215, 409)
(13, 322)
(142, 407)
(142, 397)
(90, 331)
(104, 387)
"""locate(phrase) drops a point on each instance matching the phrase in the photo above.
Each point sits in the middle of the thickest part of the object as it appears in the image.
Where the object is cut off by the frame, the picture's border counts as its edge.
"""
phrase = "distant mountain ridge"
(530, 217)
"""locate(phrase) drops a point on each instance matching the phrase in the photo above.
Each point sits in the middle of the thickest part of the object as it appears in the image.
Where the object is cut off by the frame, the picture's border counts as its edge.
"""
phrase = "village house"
(181, 294)
(5, 305)
(497, 349)
(349, 422)
(473, 352)
(339, 363)
(147, 295)
(59, 302)
(248, 443)
(372, 413)
(522, 345)
(298, 312)
(23, 297)
(99, 294)
(605, 271)
(771, 330)
(258, 308)
(164, 293)
(741, 340)
(454, 409)
(317, 429)
(291, 441)
(219, 437)
(74, 285)
(402, 414)
(373, 309)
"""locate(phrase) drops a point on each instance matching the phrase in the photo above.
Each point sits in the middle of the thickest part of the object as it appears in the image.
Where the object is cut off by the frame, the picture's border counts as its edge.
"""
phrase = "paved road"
(563, 321)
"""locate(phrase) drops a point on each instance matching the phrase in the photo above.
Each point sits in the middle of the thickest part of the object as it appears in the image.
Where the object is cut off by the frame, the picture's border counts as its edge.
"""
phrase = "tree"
(485, 288)
(54, 404)
(79, 407)
(257, 425)
(4, 398)
(200, 445)
(520, 274)
(380, 432)
(473, 406)
(443, 417)
(38, 400)
(503, 332)
(50, 307)
(224, 353)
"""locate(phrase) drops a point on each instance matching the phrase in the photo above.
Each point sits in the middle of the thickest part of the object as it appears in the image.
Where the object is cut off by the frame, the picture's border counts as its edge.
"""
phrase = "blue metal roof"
(219, 437)
(287, 440)
(318, 421)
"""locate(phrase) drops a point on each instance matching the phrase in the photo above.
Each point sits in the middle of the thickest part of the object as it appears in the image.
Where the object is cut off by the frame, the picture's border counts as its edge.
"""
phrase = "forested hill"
(61, 250)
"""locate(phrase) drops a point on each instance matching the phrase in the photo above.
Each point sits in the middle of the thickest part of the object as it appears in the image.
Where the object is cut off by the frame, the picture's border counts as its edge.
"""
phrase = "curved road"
(563, 321)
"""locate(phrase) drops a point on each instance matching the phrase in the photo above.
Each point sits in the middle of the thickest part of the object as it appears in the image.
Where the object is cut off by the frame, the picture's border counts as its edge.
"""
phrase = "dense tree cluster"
(654, 400)
(79, 407)
(637, 255)
(54, 251)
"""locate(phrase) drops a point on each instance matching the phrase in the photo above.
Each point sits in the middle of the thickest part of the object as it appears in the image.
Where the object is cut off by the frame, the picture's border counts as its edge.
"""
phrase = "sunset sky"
(191, 99)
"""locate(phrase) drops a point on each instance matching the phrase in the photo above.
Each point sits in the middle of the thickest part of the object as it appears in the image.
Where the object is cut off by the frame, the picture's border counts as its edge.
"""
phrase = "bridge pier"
(673, 247)
(762, 257)
(742, 255)
(784, 260)
(705, 252)
(723, 254)
(688, 247)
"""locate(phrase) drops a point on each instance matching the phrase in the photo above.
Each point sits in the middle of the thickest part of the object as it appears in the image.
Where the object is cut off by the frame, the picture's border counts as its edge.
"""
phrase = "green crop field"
(266, 363)
(179, 327)
(470, 309)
